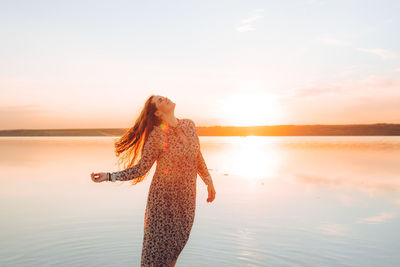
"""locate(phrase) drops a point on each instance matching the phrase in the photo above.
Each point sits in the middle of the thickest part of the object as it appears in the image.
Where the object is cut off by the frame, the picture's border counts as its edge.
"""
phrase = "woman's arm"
(202, 169)
(151, 151)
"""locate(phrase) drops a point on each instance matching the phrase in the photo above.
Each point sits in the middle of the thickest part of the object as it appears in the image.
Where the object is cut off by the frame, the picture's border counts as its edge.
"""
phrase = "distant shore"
(275, 130)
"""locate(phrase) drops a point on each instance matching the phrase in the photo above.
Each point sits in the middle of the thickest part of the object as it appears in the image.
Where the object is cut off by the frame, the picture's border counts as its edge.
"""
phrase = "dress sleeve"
(201, 164)
(151, 151)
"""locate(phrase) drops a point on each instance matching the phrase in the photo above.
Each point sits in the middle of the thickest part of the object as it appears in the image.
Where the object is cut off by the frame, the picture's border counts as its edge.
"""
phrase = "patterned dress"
(171, 202)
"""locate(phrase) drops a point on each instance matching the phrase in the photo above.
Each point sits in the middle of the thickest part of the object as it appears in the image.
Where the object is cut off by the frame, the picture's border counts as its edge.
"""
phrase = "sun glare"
(251, 157)
(251, 109)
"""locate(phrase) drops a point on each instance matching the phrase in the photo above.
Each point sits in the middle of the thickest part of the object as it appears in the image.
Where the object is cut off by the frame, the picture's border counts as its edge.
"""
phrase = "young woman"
(171, 203)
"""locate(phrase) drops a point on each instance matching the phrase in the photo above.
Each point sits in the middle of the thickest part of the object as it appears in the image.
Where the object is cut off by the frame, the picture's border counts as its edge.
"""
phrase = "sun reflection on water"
(251, 157)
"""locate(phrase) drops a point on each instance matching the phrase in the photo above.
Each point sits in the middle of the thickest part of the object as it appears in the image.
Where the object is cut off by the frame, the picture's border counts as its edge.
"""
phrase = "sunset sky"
(92, 64)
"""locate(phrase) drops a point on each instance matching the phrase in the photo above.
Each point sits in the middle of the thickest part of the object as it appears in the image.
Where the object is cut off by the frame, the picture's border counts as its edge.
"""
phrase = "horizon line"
(317, 124)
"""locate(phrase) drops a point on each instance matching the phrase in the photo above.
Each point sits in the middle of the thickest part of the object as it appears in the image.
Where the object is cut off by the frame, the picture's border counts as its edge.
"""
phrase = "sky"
(93, 64)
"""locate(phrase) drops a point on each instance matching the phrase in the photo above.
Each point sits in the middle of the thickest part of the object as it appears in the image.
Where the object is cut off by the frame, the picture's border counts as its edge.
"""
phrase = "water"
(281, 201)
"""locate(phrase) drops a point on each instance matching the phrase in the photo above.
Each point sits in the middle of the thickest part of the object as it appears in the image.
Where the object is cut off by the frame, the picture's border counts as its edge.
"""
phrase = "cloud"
(246, 24)
(372, 99)
(332, 41)
(372, 86)
(328, 40)
(384, 54)
(348, 200)
(374, 83)
(251, 19)
(383, 217)
(313, 91)
(334, 229)
(245, 28)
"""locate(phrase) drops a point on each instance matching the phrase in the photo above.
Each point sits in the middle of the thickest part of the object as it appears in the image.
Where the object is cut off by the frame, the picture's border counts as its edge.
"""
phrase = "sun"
(251, 109)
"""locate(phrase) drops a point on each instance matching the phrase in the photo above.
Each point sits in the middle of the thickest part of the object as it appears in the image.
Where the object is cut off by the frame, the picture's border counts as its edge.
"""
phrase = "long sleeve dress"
(171, 202)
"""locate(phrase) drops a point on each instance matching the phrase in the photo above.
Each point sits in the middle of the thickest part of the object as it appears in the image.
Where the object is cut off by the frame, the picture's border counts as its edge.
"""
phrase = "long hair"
(131, 144)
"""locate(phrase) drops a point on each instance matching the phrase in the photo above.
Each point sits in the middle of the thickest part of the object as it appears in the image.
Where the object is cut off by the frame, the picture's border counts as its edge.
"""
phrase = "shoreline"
(378, 129)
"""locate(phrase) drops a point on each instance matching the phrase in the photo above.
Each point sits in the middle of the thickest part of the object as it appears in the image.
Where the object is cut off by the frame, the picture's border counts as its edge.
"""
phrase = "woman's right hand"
(99, 177)
(211, 192)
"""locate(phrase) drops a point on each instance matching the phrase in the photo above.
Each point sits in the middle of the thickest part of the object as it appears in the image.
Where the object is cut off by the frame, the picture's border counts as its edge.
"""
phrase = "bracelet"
(109, 177)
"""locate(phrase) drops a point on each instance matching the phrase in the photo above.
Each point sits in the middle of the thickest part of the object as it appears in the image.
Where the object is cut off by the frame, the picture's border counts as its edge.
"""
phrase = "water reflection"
(281, 201)
(380, 218)
(248, 158)
(335, 229)
(370, 166)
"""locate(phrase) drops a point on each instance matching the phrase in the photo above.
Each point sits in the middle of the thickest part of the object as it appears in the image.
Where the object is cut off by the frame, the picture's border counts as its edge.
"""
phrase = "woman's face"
(163, 104)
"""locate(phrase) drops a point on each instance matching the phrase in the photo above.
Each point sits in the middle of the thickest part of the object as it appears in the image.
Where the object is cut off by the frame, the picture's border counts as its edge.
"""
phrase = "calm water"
(281, 201)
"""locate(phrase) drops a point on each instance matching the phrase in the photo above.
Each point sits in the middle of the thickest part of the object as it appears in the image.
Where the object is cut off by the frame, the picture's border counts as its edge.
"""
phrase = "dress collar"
(166, 128)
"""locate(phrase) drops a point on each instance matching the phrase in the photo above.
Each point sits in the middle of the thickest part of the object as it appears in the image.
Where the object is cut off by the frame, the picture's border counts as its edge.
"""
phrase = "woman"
(171, 203)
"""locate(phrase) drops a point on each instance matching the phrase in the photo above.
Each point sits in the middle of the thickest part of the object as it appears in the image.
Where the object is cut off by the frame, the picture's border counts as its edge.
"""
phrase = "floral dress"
(171, 202)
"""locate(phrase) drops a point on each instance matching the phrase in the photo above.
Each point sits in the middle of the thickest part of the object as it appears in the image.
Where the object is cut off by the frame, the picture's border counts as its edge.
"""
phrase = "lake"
(281, 201)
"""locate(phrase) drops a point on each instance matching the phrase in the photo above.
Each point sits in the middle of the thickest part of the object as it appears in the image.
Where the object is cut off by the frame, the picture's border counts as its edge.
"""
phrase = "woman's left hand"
(99, 177)
(211, 192)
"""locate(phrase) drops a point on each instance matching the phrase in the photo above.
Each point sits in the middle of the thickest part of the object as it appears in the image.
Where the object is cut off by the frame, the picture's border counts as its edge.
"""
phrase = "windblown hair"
(131, 144)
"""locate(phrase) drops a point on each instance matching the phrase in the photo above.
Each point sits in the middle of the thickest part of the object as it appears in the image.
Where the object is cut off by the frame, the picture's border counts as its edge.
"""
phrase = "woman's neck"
(171, 120)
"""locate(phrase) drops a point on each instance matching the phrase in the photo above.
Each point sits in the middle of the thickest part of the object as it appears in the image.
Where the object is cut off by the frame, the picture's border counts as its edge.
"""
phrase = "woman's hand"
(211, 192)
(99, 177)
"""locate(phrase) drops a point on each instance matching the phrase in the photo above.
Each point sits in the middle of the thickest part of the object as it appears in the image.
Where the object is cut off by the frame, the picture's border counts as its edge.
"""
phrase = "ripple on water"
(262, 244)
(77, 242)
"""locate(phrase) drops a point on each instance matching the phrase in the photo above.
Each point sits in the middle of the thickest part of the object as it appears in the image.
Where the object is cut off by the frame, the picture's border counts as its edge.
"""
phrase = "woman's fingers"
(211, 194)
(96, 177)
